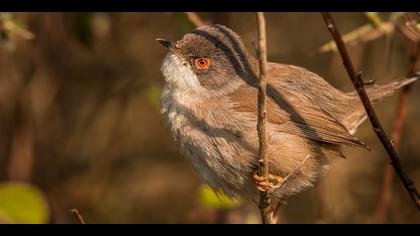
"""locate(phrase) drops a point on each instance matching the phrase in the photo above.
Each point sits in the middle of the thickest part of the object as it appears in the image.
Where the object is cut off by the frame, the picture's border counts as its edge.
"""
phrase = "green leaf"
(22, 203)
(210, 199)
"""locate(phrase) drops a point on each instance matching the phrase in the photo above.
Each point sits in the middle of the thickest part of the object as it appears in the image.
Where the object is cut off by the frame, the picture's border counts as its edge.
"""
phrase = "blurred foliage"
(208, 198)
(10, 27)
(81, 23)
(375, 19)
(185, 24)
(152, 93)
(375, 28)
(252, 219)
(320, 221)
(22, 203)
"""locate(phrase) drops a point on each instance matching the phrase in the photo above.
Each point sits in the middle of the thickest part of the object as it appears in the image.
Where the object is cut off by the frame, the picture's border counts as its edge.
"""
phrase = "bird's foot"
(273, 182)
(267, 183)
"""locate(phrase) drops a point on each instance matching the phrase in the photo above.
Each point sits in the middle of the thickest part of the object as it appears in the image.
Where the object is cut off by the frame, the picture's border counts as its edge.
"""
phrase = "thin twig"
(195, 19)
(363, 34)
(385, 197)
(78, 216)
(404, 23)
(377, 127)
(292, 173)
(407, 26)
(264, 204)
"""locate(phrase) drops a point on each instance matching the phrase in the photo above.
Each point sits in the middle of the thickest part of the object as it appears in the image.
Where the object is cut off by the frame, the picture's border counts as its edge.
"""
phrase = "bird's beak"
(171, 46)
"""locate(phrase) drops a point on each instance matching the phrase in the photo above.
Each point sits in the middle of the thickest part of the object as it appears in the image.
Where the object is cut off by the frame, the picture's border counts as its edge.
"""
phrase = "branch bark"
(358, 84)
(264, 204)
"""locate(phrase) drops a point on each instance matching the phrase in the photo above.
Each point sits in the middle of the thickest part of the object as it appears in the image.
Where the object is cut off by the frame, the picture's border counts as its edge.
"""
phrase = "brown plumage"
(212, 113)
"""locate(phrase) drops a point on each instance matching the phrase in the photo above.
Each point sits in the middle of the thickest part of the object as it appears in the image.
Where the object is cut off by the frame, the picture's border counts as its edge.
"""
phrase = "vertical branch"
(195, 19)
(358, 84)
(385, 197)
(264, 203)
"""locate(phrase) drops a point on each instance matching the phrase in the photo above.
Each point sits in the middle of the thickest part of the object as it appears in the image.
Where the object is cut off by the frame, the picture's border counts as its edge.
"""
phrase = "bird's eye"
(202, 63)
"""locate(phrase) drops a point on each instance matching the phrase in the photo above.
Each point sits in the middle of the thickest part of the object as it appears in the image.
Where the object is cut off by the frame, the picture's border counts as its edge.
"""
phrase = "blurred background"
(81, 126)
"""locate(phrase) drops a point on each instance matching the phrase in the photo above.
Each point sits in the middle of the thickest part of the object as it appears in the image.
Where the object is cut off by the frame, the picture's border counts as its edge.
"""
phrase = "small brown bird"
(210, 103)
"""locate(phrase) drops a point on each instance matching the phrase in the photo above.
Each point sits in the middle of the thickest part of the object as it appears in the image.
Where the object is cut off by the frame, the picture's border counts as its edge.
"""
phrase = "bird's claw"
(269, 183)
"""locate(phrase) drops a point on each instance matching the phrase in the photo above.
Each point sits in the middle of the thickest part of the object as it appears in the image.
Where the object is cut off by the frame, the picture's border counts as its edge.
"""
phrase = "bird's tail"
(377, 92)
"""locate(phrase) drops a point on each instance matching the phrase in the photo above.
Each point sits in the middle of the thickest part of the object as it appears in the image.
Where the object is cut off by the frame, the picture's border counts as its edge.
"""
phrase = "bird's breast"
(209, 135)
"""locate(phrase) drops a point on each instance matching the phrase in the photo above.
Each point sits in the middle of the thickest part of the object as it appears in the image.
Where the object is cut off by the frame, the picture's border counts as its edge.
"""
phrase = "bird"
(209, 103)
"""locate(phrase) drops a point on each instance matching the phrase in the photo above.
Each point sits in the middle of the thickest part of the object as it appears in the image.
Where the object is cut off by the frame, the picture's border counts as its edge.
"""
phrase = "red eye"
(202, 63)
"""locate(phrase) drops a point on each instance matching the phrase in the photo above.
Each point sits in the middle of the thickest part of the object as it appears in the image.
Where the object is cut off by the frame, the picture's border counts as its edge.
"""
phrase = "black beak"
(171, 46)
(165, 42)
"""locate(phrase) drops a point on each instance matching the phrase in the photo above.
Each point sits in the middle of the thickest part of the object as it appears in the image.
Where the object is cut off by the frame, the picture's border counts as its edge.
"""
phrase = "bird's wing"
(291, 110)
